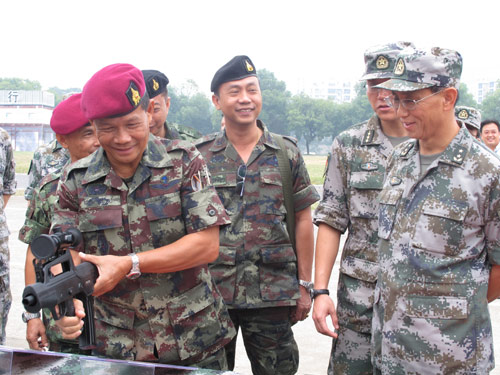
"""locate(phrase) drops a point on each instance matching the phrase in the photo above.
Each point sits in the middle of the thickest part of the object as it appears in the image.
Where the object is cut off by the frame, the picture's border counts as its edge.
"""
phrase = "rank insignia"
(133, 95)
(249, 66)
(382, 62)
(463, 114)
(459, 155)
(368, 136)
(400, 67)
(395, 180)
(406, 149)
(156, 85)
(369, 166)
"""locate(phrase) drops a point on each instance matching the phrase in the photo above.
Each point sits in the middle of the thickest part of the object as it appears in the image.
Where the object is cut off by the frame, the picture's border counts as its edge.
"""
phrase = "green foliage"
(465, 97)
(275, 100)
(490, 107)
(190, 107)
(19, 84)
(59, 93)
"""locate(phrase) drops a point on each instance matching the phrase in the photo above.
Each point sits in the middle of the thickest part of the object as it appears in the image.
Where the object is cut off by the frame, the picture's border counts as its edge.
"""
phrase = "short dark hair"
(144, 103)
(488, 121)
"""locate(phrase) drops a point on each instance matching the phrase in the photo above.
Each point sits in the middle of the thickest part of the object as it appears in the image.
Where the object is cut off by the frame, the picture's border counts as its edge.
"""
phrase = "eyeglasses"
(408, 104)
(240, 179)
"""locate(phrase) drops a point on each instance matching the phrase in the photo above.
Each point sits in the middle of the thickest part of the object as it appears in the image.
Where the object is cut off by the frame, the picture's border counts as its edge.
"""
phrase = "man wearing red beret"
(150, 221)
(75, 133)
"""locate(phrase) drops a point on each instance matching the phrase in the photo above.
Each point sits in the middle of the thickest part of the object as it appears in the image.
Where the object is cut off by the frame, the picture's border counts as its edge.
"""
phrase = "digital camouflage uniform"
(46, 159)
(353, 180)
(257, 265)
(439, 235)
(180, 315)
(38, 221)
(7, 187)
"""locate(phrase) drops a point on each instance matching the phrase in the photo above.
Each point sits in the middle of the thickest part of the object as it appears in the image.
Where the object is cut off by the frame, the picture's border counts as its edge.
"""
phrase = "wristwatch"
(28, 316)
(317, 292)
(135, 271)
(307, 284)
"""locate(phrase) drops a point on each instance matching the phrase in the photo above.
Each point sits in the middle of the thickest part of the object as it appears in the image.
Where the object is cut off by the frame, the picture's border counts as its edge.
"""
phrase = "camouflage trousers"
(268, 338)
(351, 353)
(5, 296)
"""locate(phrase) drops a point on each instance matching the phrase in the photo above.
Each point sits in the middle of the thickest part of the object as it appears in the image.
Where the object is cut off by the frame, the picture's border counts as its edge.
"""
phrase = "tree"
(19, 84)
(190, 108)
(465, 97)
(307, 118)
(275, 100)
(60, 93)
(490, 107)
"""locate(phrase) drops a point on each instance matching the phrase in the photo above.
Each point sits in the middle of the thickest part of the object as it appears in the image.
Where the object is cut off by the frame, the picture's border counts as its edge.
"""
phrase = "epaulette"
(291, 139)
(459, 154)
(205, 139)
(368, 137)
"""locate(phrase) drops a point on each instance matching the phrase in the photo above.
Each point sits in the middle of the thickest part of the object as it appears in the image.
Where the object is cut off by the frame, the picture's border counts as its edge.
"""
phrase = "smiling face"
(376, 98)
(490, 135)
(124, 139)
(240, 101)
(80, 143)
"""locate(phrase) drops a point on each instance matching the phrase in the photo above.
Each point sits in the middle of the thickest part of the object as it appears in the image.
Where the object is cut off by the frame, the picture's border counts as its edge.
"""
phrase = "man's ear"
(62, 140)
(215, 100)
(450, 95)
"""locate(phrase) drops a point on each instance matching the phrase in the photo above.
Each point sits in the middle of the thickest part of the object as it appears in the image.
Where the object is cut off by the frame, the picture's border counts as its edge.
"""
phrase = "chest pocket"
(388, 204)
(100, 223)
(271, 197)
(439, 227)
(164, 213)
(225, 184)
(365, 187)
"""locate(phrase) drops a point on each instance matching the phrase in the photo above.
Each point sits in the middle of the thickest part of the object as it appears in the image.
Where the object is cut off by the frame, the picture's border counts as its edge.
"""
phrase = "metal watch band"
(28, 316)
(135, 271)
(306, 284)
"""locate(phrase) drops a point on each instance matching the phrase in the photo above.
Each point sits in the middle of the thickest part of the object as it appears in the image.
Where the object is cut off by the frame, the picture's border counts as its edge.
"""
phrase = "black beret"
(156, 82)
(238, 68)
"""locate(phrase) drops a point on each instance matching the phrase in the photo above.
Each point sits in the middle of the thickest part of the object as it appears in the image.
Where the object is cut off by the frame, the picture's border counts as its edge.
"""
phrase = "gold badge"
(400, 67)
(463, 114)
(156, 85)
(382, 62)
(249, 66)
(135, 96)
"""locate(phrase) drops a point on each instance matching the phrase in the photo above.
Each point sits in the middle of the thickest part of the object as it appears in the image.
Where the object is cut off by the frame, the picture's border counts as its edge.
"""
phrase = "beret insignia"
(156, 85)
(249, 66)
(133, 95)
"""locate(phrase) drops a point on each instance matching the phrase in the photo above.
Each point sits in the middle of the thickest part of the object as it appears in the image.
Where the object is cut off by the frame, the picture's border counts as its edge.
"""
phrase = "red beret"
(113, 91)
(67, 116)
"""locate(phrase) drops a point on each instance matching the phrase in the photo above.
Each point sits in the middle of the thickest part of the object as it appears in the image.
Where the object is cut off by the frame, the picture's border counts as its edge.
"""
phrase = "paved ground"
(314, 348)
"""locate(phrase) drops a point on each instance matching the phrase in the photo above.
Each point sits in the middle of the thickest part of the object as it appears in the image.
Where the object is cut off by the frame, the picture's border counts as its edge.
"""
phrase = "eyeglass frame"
(242, 181)
(390, 100)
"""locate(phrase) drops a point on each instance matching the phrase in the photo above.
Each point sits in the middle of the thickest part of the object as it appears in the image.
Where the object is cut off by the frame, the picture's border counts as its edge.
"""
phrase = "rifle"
(59, 290)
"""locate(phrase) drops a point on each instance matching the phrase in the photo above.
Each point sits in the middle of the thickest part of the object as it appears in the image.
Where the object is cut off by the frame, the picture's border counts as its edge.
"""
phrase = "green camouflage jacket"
(257, 266)
(354, 178)
(7, 187)
(181, 314)
(47, 159)
(176, 131)
(439, 235)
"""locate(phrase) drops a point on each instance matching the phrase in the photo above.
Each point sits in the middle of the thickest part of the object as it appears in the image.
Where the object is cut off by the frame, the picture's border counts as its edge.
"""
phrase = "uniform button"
(211, 212)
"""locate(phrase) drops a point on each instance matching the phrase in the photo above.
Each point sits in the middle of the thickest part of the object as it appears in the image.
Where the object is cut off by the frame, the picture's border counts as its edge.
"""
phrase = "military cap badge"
(463, 114)
(156, 85)
(249, 66)
(382, 62)
(400, 67)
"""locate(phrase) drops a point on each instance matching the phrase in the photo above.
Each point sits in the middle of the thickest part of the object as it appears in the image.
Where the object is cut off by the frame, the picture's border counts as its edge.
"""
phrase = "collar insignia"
(395, 180)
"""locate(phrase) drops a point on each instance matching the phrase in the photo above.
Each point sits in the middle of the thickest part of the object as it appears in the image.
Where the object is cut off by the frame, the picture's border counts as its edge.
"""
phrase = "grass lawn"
(23, 159)
(316, 167)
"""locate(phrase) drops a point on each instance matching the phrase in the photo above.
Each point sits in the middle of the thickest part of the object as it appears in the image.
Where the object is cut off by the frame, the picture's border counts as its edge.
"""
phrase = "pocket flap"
(278, 254)
(224, 180)
(367, 180)
(163, 206)
(191, 302)
(359, 269)
(227, 255)
(390, 196)
(440, 307)
(270, 176)
(451, 209)
(99, 218)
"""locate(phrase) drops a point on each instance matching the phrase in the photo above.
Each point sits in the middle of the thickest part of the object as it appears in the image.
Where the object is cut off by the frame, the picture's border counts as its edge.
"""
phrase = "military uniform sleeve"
(9, 177)
(37, 221)
(304, 193)
(492, 227)
(34, 176)
(201, 206)
(333, 209)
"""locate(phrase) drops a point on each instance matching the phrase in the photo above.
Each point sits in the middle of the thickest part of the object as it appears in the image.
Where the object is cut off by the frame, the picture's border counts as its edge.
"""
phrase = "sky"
(62, 43)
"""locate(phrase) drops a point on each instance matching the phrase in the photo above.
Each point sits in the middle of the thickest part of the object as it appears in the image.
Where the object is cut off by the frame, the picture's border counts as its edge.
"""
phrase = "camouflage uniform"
(439, 234)
(257, 266)
(176, 131)
(38, 221)
(179, 316)
(46, 159)
(7, 187)
(353, 181)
